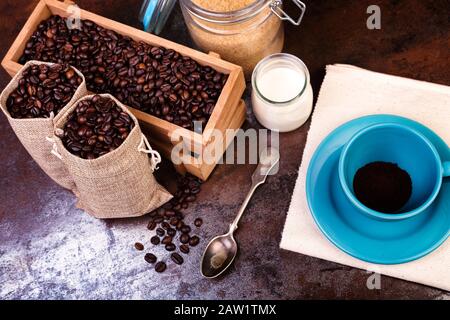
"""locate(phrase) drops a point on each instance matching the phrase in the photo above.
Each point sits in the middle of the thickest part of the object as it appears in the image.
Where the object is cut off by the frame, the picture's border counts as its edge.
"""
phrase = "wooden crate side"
(236, 122)
(10, 61)
(166, 128)
(228, 100)
(201, 170)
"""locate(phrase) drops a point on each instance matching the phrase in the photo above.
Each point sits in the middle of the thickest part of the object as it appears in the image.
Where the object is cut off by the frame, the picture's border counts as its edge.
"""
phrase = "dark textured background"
(49, 249)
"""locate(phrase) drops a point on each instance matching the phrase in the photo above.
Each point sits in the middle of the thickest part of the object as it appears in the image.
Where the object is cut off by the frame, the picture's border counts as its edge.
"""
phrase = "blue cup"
(410, 150)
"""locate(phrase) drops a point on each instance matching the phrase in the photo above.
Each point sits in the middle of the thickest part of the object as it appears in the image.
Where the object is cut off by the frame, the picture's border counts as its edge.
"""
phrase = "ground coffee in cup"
(382, 186)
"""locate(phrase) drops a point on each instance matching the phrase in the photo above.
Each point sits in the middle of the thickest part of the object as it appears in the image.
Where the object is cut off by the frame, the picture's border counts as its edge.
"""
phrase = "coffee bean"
(155, 240)
(195, 190)
(165, 225)
(169, 213)
(184, 248)
(161, 212)
(185, 229)
(150, 258)
(173, 221)
(139, 246)
(191, 198)
(177, 258)
(198, 222)
(36, 95)
(184, 238)
(159, 219)
(151, 225)
(171, 232)
(153, 79)
(166, 240)
(160, 267)
(180, 225)
(170, 247)
(193, 241)
(90, 131)
(160, 232)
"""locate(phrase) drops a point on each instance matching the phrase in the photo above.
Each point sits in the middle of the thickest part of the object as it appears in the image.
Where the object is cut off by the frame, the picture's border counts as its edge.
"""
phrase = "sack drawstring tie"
(54, 148)
(155, 157)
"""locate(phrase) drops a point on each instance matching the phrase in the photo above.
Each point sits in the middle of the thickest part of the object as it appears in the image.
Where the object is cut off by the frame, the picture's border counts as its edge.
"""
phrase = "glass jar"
(282, 96)
(154, 14)
(243, 36)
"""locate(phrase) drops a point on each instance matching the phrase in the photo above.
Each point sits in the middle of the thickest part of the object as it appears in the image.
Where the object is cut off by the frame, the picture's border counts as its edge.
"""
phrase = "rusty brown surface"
(50, 249)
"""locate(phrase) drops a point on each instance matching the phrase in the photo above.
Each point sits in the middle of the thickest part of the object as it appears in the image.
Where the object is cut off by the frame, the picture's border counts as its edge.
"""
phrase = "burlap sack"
(34, 134)
(120, 183)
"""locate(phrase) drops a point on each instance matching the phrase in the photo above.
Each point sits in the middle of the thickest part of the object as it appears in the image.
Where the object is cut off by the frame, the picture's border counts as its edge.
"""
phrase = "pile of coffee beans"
(152, 79)
(95, 127)
(168, 224)
(41, 90)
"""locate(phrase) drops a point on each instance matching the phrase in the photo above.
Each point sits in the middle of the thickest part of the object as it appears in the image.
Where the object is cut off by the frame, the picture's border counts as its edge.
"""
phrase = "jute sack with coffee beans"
(34, 99)
(109, 158)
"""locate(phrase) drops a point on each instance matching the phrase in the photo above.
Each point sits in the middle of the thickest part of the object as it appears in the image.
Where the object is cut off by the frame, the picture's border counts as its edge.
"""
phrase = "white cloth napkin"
(350, 92)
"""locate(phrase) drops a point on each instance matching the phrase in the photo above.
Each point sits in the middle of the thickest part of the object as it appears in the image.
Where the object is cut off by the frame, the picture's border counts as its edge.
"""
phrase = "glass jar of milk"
(282, 95)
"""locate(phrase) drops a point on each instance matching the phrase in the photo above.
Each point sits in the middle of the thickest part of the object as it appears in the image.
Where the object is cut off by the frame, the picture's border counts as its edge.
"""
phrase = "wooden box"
(229, 112)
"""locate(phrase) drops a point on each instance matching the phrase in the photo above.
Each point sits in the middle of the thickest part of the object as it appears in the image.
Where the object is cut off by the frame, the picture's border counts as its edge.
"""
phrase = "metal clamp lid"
(275, 6)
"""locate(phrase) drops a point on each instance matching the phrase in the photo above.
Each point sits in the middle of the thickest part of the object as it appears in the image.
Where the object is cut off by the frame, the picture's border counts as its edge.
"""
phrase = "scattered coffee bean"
(171, 232)
(184, 238)
(179, 215)
(150, 258)
(160, 232)
(170, 247)
(165, 225)
(155, 240)
(43, 90)
(160, 267)
(139, 246)
(184, 248)
(92, 130)
(180, 225)
(166, 240)
(193, 241)
(173, 221)
(177, 258)
(160, 212)
(159, 219)
(169, 213)
(185, 229)
(190, 198)
(198, 222)
(156, 80)
(151, 225)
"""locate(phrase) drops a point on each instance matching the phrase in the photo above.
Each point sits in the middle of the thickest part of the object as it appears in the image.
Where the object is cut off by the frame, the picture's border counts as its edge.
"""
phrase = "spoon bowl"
(219, 255)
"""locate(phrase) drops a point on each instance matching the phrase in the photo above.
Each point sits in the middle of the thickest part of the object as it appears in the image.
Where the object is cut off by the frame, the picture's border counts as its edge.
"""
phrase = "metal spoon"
(221, 251)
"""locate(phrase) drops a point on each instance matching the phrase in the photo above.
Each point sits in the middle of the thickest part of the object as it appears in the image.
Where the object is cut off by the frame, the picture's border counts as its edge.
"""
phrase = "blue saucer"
(364, 238)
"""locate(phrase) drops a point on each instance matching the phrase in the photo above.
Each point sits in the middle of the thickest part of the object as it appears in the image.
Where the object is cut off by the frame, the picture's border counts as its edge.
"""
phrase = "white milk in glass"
(282, 95)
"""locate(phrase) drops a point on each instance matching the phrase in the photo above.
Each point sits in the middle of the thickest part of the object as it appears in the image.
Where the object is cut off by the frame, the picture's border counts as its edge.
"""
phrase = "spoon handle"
(267, 162)
(234, 225)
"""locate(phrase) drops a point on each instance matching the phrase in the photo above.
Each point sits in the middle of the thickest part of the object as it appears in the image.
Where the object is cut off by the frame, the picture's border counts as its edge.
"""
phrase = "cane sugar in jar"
(282, 95)
(240, 31)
